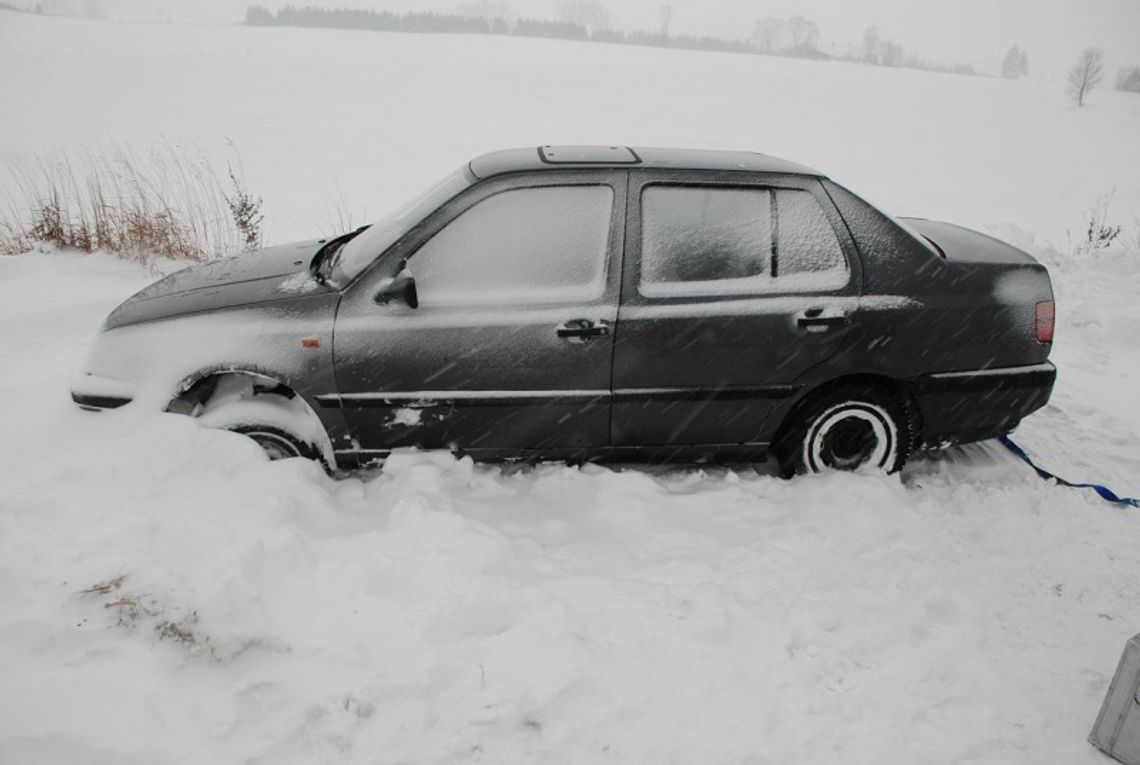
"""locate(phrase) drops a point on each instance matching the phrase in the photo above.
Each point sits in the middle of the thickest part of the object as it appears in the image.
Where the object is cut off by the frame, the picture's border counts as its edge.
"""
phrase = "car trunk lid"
(962, 245)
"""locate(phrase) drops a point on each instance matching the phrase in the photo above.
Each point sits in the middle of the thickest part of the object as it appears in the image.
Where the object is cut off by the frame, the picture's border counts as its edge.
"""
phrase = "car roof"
(625, 157)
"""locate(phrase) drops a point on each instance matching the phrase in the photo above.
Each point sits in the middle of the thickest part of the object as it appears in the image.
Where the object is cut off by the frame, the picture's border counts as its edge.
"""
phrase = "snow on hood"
(240, 280)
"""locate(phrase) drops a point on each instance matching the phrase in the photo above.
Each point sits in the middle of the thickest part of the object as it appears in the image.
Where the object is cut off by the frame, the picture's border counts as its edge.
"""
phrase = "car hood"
(963, 245)
(274, 273)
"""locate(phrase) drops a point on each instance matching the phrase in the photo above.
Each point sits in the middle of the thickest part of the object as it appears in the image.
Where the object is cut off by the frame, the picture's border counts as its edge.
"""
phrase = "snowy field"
(168, 596)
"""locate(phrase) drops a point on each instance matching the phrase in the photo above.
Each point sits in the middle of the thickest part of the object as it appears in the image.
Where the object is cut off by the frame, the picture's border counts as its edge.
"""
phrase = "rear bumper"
(959, 407)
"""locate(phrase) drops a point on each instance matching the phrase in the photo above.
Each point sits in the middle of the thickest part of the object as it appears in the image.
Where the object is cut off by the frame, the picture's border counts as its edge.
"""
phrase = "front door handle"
(582, 329)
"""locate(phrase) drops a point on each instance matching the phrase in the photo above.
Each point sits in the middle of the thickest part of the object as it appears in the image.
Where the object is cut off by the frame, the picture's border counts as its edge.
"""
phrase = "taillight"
(1045, 319)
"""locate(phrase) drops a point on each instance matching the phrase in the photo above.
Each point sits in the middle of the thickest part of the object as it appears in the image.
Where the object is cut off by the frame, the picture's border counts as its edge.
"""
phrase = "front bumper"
(96, 392)
(960, 407)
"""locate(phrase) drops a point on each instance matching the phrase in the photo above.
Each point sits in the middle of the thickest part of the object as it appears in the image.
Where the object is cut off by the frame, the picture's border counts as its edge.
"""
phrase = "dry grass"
(166, 202)
(340, 220)
(338, 213)
(182, 631)
(107, 587)
(136, 612)
(130, 609)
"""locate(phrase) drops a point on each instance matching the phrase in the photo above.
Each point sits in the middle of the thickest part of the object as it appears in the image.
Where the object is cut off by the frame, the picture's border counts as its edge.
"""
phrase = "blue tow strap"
(1103, 491)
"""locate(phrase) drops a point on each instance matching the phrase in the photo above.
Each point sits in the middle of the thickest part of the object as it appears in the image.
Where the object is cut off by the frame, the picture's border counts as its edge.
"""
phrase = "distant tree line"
(878, 50)
(92, 9)
(349, 18)
(579, 21)
(796, 36)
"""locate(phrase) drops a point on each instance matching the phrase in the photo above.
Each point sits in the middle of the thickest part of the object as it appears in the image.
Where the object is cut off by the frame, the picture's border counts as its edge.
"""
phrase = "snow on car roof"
(561, 157)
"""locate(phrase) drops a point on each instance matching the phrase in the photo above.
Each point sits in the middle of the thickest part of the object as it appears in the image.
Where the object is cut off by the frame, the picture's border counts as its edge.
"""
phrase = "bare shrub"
(1098, 234)
(245, 209)
(165, 202)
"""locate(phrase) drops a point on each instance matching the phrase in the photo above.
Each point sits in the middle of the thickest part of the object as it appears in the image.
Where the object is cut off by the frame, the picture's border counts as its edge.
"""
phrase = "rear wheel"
(846, 429)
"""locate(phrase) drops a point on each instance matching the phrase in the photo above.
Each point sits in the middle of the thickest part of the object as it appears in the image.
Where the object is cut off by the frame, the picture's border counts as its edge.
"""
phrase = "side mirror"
(399, 288)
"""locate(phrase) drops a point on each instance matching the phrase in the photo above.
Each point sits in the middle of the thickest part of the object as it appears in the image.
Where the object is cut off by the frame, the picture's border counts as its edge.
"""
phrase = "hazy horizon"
(938, 31)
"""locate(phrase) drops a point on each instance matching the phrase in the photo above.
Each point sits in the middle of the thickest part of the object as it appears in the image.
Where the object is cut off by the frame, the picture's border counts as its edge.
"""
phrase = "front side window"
(704, 240)
(524, 246)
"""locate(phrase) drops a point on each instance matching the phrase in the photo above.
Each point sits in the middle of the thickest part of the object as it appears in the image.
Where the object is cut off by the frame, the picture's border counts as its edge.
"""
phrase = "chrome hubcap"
(276, 447)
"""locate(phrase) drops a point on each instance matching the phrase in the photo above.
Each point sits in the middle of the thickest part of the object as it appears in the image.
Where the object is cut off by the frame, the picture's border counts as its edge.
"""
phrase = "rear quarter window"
(892, 257)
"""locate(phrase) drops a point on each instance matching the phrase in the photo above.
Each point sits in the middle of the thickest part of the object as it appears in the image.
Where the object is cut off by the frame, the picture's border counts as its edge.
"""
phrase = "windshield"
(359, 252)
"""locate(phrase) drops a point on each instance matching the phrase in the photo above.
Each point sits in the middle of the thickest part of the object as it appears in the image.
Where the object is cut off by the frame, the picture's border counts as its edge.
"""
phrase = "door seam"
(621, 292)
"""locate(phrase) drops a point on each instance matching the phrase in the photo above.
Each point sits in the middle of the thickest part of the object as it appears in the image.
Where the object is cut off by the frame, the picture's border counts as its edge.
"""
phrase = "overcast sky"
(976, 32)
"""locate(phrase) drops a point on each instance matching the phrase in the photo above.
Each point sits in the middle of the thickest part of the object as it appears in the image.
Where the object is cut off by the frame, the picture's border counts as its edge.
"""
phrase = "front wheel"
(277, 443)
(282, 425)
(846, 429)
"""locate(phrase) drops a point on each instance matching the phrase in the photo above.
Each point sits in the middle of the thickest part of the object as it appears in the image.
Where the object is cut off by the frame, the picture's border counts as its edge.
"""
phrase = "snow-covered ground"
(167, 595)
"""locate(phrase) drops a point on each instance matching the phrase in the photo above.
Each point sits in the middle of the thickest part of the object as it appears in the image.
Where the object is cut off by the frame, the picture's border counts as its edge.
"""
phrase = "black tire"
(845, 429)
(277, 443)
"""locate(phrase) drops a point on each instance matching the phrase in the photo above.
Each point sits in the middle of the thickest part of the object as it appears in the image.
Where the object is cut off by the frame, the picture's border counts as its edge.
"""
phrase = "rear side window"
(524, 246)
(713, 240)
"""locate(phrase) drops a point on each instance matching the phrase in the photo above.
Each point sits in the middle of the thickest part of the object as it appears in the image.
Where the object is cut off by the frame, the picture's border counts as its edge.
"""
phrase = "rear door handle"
(813, 321)
(583, 328)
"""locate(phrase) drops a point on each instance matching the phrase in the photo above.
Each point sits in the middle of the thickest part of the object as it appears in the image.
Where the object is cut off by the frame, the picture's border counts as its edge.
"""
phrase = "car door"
(734, 286)
(511, 345)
